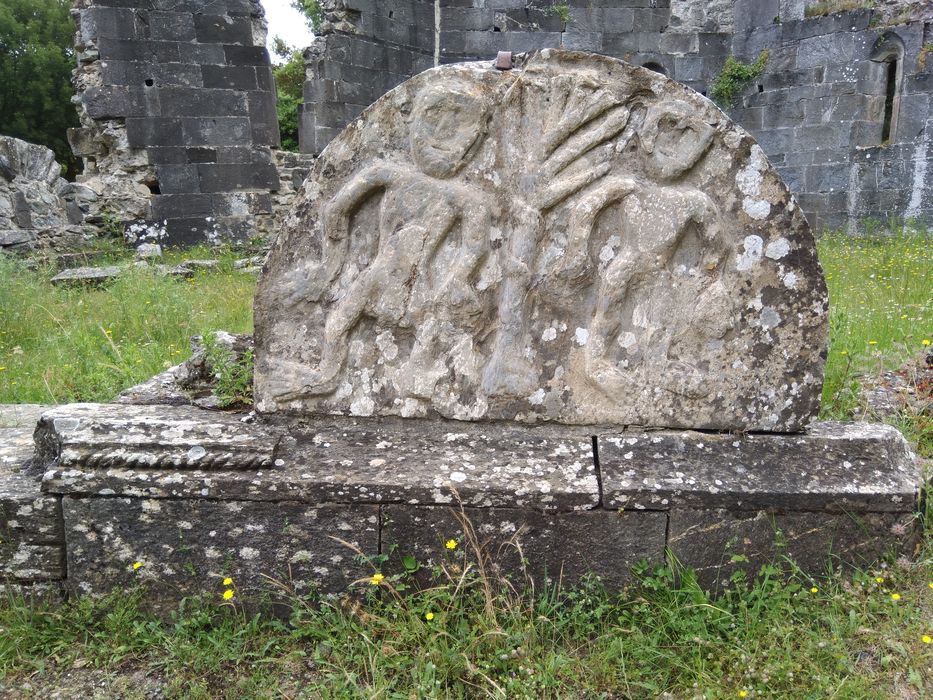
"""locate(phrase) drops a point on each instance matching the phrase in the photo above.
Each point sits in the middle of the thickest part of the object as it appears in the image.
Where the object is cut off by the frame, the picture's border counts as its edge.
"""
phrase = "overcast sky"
(287, 23)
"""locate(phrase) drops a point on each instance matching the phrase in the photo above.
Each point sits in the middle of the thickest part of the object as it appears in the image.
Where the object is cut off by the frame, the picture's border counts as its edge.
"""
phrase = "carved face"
(448, 123)
(674, 138)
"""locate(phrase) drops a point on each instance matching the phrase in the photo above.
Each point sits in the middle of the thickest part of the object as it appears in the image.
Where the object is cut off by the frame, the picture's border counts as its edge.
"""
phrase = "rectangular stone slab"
(707, 540)
(98, 436)
(345, 460)
(554, 546)
(189, 546)
(32, 562)
(832, 466)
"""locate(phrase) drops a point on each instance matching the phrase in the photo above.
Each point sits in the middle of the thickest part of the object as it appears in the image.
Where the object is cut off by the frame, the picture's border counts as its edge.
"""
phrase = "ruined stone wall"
(178, 117)
(818, 111)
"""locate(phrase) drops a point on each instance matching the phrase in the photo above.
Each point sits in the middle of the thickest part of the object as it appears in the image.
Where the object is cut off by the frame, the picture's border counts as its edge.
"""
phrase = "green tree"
(289, 86)
(311, 9)
(36, 58)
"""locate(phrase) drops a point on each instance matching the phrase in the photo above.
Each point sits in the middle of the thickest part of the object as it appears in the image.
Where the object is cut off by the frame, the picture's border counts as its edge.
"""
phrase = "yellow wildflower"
(926, 639)
(376, 579)
(814, 590)
(228, 581)
(743, 694)
(895, 596)
(925, 341)
(136, 565)
(451, 544)
(879, 580)
(429, 616)
(228, 594)
(872, 342)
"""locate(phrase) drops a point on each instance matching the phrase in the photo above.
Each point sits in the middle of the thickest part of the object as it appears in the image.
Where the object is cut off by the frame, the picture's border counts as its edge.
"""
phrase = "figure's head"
(448, 124)
(675, 137)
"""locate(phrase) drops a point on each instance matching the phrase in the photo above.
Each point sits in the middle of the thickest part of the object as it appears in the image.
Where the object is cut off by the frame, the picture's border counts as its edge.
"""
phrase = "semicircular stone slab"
(576, 240)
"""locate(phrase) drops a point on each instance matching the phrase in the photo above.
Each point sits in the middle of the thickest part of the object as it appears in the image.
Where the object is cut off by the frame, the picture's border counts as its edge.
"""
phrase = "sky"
(287, 23)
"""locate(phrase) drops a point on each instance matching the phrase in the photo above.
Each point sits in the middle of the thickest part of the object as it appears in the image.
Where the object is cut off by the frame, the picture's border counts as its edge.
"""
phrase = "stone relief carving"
(577, 240)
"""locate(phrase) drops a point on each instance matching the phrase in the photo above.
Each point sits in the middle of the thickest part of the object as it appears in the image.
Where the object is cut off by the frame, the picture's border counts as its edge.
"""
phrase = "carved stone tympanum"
(576, 240)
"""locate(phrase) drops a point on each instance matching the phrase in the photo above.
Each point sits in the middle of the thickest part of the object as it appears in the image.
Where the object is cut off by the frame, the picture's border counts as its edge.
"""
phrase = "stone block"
(823, 50)
(220, 29)
(246, 55)
(547, 547)
(86, 275)
(142, 132)
(181, 205)
(171, 26)
(102, 436)
(230, 77)
(833, 467)
(177, 179)
(384, 461)
(227, 177)
(215, 131)
(188, 547)
(716, 543)
(202, 102)
(31, 562)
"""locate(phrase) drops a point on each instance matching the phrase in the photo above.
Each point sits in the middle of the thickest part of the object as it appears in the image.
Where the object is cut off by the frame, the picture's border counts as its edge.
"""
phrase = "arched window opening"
(889, 51)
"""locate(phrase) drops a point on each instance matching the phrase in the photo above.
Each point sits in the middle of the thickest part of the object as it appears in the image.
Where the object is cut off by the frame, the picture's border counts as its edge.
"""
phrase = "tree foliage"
(289, 85)
(311, 9)
(36, 59)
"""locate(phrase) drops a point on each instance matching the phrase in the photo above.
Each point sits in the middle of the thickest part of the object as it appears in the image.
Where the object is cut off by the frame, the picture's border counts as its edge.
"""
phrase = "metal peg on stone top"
(504, 60)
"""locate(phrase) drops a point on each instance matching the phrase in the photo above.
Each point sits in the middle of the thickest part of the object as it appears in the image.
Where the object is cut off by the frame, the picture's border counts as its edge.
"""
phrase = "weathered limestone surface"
(380, 461)
(577, 240)
(98, 436)
(31, 535)
(563, 546)
(190, 546)
(86, 274)
(706, 540)
(37, 206)
(833, 467)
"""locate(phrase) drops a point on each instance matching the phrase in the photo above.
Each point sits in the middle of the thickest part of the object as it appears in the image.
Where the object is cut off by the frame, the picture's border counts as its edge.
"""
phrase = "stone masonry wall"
(818, 111)
(178, 115)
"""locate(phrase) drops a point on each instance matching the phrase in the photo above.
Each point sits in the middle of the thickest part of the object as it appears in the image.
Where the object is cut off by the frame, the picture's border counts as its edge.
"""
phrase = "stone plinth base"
(546, 501)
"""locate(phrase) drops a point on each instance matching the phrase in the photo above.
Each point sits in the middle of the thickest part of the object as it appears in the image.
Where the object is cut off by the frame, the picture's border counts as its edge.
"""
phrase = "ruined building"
(178, 107)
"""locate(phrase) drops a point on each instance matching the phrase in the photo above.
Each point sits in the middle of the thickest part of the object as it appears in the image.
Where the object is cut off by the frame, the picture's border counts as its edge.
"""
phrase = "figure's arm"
(336, 213)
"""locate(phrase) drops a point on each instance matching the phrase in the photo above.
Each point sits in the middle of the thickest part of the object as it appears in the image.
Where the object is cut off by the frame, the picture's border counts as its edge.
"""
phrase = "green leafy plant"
(562, 10)
(311, 9)
(734, 77)
(289, 86)
(233, 375)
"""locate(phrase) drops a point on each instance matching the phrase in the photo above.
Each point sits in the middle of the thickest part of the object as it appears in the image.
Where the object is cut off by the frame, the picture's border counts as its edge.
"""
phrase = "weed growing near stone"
(881, 318)
(466, 634)
(735, 77)
(65, 344)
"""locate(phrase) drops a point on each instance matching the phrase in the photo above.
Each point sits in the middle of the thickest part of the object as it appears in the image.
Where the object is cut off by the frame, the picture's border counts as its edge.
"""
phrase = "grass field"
(773, 634)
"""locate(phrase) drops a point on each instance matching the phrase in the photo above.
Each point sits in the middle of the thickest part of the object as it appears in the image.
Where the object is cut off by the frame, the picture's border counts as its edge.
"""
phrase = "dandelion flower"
(228, 581)
(376, 579)
(931, 584)
(926, 639)
(451, 544)
(925, 341)
(136, 565)
(228, 594)
(814, 590)
(743, 694)
(879, 580)
(895, 596)
(872, 342)
(430, 616)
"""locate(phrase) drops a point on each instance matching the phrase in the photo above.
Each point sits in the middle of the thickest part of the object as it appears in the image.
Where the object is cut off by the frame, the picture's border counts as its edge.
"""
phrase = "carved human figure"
(654, 220)
(419, 208)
